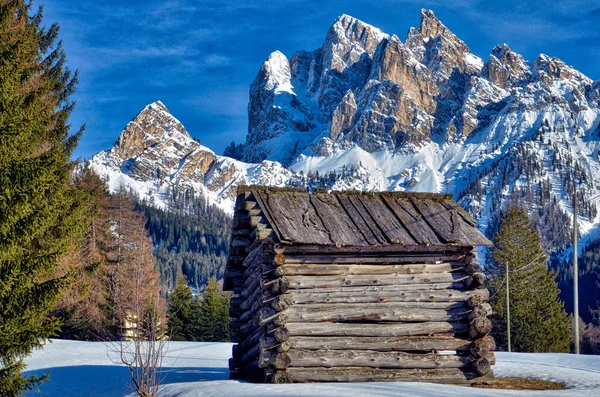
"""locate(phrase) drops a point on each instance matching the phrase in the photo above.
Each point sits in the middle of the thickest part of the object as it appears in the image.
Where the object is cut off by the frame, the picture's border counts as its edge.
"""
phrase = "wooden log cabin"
(355, 287)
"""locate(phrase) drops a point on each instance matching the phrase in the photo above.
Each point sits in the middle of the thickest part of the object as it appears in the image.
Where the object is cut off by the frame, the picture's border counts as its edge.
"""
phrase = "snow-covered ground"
(200, 370)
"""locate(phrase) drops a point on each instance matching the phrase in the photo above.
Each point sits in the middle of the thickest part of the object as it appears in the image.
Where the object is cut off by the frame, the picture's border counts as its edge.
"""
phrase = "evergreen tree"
(212, 314)
(179, 312)
(41, 213)
(192, 240)
(539, 322)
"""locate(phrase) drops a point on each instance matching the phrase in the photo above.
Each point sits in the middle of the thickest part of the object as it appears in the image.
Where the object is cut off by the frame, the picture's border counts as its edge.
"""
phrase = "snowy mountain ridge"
(156, 157)
(367, 111)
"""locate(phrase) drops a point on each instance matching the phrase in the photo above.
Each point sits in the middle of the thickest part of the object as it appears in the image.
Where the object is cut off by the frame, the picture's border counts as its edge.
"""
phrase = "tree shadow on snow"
(113, 380)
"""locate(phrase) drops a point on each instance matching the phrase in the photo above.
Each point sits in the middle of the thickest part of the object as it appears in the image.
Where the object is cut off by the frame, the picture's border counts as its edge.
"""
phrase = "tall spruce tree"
(212, 314)
(539, 322)
(179, 312)
(41, 212)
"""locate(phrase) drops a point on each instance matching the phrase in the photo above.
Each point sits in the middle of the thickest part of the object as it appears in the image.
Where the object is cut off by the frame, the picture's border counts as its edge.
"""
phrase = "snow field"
(193, 369)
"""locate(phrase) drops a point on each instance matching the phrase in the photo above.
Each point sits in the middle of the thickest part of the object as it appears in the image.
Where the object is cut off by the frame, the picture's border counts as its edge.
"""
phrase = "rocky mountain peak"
(272, 97)
(368, 90)
(275, 73)
(157, 105)
(431, 26)
(440, 50)
(347, 40)
(151, 126)
(506, 68)
(551, 68)
(355, 30)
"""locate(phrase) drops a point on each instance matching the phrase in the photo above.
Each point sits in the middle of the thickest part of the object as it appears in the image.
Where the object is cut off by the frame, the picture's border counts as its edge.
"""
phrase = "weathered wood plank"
(360, 374)
(450, 204)
(296, 218)
(253, 251)
(273, 359)
(467, 229)
(412, 220)
(457, 285)
(407, 343)
(365, 260)
(377, 359)
(438, 218)
(357, 218)
(367, 219)
(266, 343)
(385, 219)
(256, 321)
(255, 295)
(380, 312)
(310, 269)
(381, 306)
(342, 230)
(418, 251)
(253, 264)
(301, 282)
(251, 284)
(363, 296)
(346, 329)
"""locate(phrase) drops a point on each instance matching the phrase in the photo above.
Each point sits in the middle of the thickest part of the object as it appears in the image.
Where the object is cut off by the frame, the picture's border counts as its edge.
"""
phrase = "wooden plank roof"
(365, 219)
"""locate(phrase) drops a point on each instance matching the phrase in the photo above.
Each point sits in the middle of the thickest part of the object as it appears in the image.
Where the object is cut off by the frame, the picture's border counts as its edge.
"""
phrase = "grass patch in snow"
(521, 384)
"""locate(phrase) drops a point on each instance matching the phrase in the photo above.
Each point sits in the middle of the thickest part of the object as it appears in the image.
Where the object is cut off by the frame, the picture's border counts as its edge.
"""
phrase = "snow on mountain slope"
(195, 369)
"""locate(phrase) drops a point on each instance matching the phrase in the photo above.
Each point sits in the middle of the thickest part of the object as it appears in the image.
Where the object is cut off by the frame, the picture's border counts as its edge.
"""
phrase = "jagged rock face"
(506, 68)
(346, 61)
(366, 88)
(344, 116)
(551, 69)
(482, 103)
(153, 143)
(390, 118)
(308, 89)
(440, 50)
(153, 125)
(275, 113)
(397, 63)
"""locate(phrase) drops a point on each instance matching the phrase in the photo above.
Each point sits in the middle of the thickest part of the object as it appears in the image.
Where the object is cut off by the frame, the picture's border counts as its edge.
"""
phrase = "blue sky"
(200, 57)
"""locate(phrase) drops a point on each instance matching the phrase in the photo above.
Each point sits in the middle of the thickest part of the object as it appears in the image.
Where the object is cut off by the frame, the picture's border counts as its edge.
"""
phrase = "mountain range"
(369, 111)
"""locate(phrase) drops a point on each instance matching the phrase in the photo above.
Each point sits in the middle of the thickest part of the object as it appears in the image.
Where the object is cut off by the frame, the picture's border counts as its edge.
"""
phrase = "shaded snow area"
(193, 369)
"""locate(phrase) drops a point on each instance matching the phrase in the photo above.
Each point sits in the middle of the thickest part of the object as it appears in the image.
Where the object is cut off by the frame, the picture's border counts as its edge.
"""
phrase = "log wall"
(316, 315)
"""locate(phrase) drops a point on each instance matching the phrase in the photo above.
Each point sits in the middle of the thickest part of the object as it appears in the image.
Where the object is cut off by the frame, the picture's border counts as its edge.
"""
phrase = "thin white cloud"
(158, 52)
(217, 60)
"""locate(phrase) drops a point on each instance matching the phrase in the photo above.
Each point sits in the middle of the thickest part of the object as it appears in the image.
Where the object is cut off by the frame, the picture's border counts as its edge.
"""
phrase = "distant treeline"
(190, 239)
